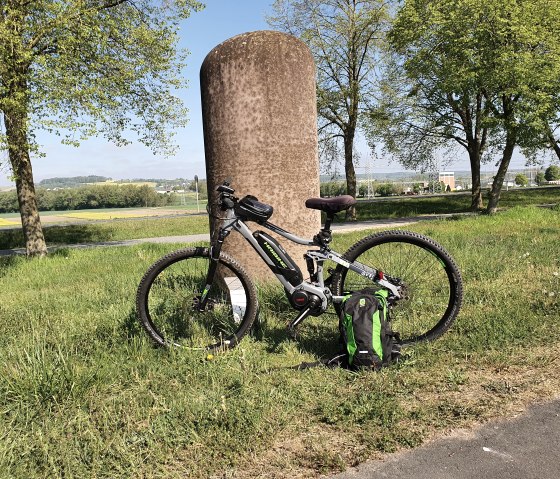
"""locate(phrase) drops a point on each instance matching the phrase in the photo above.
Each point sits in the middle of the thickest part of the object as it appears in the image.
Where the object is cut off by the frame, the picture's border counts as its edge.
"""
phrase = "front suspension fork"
(215, 250)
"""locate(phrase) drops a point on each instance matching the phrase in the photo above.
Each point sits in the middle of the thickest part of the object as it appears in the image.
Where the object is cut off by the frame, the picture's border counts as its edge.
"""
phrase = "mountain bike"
(202, 298)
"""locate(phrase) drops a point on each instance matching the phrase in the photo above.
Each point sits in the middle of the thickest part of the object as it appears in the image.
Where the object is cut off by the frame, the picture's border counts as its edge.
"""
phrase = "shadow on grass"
(6, 262)
(318, 336)
(72, 234)
(67, 234)
(130, 328)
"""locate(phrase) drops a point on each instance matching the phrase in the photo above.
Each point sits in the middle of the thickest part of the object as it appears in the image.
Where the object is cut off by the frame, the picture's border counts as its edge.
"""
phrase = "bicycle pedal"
(292, 333)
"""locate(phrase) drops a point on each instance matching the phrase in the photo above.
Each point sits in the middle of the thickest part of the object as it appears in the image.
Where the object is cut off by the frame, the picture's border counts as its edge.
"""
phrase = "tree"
(552, 173)
(540, 179)
(521, 180)
(522, 74)
(344, 37)
(488, 70)
(424, 108)
(385, 189)
(85, 68)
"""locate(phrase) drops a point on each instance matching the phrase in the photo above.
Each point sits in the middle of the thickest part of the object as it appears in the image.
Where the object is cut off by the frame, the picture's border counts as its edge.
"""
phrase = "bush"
(332, 188)
(386, 189)
(521, 180)
(552, 173)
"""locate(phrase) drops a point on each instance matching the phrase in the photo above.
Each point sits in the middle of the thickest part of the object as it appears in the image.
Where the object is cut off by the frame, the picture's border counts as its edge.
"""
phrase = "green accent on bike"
(205, 292)
(436, 256)
(275, 255)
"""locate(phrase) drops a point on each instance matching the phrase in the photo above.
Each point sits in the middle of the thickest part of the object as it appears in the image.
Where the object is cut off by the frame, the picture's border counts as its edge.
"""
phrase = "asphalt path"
(526, 447)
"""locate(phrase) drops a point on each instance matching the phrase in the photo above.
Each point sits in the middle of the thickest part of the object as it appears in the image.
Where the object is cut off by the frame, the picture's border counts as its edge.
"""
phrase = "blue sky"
(220, 20)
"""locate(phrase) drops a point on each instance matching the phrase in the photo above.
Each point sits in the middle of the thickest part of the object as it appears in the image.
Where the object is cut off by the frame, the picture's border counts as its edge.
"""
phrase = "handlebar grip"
(225, 188)
(227, 203)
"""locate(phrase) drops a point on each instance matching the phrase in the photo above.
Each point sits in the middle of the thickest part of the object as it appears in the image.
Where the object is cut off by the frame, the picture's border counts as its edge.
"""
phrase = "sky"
(220, 20)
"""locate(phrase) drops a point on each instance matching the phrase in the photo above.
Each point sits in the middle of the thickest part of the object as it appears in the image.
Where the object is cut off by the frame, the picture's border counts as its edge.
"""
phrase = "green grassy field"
(84, 394)
(451, 203)
(111, 230)
(98, 231)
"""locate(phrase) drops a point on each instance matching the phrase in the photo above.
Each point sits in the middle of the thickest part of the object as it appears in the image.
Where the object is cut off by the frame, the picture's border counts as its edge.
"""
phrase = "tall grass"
(84, 394)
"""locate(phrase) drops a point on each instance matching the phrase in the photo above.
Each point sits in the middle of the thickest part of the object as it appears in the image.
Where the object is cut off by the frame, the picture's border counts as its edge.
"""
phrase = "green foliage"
(345, 39)
(92, 69)
(81, 69)
(385, 189)
(552, 173)
(521, 180)
(202, 188)
(539, 178)
(87, 197)
(66, 182)
(483, 75)
(332, 188)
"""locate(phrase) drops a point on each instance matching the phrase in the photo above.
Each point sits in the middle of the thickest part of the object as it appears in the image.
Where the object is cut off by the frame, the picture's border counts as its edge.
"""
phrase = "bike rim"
(429, 286)
(171, 306)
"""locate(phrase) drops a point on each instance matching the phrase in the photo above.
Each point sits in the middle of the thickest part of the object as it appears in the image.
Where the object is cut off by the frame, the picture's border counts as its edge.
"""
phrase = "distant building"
(448, 177)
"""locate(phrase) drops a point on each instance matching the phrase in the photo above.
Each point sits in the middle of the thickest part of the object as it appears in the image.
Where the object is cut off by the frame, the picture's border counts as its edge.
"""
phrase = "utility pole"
(369, 172)
(196, 188)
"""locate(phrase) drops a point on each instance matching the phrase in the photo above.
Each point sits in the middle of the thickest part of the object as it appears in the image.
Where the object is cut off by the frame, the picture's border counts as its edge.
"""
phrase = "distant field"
(127, 223)
(107, 215)
(9, 222)
(400, 207)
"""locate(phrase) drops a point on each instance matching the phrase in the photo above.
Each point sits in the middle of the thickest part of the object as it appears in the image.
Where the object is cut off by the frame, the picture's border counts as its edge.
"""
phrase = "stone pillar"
(260, 130)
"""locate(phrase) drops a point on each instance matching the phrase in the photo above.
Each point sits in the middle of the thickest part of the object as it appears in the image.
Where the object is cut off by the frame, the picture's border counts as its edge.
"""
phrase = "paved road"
(340, 227)
(526, 447)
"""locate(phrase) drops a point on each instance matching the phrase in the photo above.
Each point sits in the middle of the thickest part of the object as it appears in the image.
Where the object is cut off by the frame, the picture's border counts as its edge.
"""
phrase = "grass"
(111, 231)
(84, 394)
(382, 208)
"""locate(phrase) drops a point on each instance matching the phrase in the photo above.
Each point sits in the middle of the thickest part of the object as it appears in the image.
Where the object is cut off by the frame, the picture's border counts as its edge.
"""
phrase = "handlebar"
(226, 200)
(225, 188)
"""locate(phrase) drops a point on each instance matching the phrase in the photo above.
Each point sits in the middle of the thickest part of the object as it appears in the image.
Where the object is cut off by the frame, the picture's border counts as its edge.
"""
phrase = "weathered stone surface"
(260, 130)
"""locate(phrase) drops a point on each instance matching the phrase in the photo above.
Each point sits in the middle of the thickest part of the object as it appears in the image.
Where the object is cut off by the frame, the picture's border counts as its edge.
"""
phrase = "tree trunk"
(18, 148)
(501, 174)
(553, 143)
(476, 191)
(350, 171)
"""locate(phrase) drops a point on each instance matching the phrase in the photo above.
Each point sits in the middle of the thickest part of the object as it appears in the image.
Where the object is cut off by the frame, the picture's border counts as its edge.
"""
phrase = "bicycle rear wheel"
(168, 295)
(432, 284)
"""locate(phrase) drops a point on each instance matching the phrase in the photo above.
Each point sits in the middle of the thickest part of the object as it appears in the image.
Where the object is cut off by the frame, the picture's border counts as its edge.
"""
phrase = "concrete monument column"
(260, 130)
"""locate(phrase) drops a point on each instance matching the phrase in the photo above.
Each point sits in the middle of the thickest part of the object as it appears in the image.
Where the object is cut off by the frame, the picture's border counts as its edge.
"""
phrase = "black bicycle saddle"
(331, 205)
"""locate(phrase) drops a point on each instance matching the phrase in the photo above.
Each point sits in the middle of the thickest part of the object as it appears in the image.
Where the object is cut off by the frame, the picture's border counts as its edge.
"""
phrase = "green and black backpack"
(366, 337)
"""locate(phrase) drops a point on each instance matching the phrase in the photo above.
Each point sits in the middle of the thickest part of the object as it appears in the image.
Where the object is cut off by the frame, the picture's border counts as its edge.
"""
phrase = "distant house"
(448, 178)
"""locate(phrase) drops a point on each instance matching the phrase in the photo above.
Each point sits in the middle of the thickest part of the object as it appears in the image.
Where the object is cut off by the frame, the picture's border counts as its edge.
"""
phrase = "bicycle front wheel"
(432, 284)
(169, 293)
